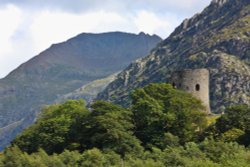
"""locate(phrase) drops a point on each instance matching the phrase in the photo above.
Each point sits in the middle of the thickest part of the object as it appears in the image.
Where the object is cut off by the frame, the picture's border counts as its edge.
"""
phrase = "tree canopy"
(162, 127)
(234, 125)
(160, 109)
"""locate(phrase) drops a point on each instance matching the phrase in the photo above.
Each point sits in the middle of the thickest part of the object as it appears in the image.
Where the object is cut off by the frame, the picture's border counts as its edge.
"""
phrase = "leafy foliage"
(56, 129)
(72, 126)
(234, 125)
(206, 154)
(111, 127)
(160, 109)
(160, 129)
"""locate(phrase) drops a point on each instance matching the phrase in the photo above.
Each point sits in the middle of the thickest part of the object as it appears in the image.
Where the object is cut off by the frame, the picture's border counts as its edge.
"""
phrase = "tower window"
(197, 87)
(174, 85)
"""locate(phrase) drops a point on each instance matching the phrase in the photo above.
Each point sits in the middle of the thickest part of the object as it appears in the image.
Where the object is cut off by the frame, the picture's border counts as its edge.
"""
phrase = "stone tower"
(194, 81)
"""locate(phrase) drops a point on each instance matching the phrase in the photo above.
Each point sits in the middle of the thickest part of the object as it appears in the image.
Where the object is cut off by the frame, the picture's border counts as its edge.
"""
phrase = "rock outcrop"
(217, 39)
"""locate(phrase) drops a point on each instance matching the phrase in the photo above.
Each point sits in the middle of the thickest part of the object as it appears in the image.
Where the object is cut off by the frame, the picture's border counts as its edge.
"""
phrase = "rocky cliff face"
(61, 69)
(217, 39)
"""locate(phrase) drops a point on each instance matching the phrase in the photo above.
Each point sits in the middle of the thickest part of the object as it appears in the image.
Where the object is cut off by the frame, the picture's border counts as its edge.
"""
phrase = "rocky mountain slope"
(217, 39)
(89, 91)
(61, 69)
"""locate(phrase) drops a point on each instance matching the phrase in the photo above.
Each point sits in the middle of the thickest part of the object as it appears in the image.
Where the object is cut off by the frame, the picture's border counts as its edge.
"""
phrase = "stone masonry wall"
(194, 81)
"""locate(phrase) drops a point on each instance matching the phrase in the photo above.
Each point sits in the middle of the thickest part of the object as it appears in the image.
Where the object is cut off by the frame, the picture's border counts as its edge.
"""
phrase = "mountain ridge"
(217, 38)
(63, 68)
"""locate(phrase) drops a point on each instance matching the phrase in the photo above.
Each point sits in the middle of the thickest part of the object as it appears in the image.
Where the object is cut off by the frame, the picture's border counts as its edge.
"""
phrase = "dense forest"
(162, 127)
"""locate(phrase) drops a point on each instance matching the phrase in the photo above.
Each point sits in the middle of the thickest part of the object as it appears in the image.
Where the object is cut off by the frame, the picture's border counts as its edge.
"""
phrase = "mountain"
(88, 91)
(61, 69)
(218, 39)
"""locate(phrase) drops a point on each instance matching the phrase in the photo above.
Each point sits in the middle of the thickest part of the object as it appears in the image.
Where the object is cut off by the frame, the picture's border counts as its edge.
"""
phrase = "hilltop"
(218, 39)
(62, 69)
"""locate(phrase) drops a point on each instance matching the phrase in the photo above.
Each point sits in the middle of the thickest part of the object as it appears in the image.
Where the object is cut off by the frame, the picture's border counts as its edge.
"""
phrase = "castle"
(194, 81)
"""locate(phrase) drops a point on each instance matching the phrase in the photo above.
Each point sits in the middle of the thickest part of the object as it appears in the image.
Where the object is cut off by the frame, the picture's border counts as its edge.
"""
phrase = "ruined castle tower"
(194, 81)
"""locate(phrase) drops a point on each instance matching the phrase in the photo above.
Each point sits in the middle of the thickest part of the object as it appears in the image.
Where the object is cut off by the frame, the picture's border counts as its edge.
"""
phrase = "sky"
(30, 26)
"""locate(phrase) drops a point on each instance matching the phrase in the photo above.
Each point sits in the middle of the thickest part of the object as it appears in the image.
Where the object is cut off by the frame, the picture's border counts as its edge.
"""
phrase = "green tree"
(232, 135)
(234, 125)
(56, 128)
(111, 127)
(95, 157)
(160, 109)
(234, 117)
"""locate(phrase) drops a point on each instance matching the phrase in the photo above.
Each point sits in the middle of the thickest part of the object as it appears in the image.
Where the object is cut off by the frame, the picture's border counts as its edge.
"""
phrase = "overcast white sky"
(30, 26)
